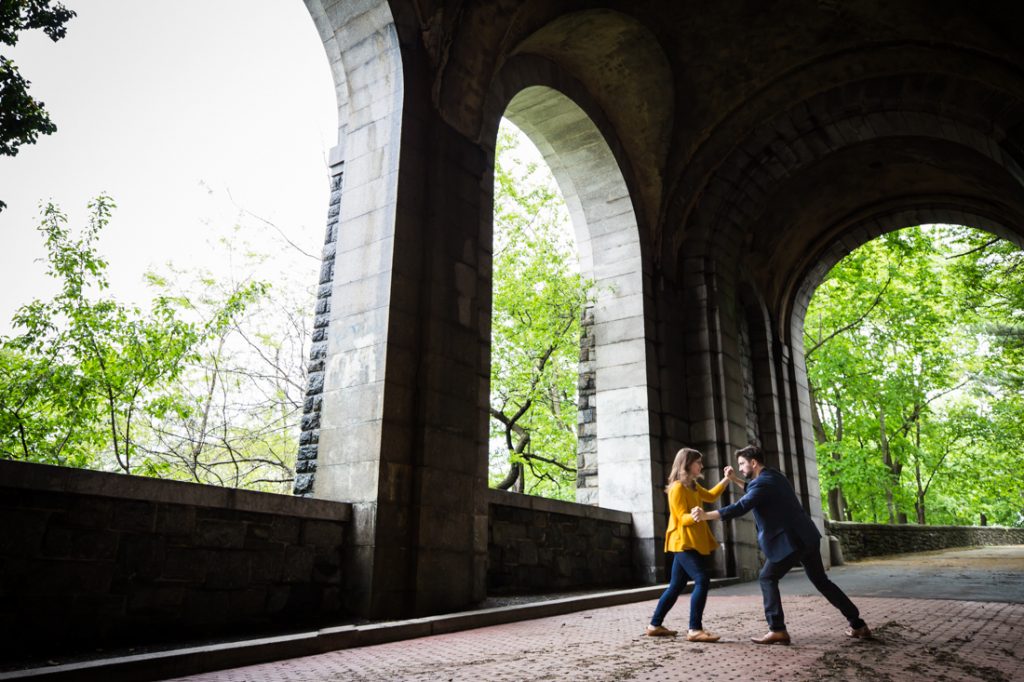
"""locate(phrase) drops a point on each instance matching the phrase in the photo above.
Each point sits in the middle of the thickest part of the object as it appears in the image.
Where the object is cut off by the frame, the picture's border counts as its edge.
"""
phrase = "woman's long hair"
(681, 464)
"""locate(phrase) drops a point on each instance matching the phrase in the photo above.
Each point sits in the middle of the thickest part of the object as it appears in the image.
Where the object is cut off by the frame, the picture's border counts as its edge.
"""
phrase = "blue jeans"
(686, 566)
(772, 572)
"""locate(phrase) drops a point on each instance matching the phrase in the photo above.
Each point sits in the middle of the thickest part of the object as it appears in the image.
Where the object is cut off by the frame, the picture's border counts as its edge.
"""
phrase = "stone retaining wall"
(862, 540)
(541, 545)
(92, 559)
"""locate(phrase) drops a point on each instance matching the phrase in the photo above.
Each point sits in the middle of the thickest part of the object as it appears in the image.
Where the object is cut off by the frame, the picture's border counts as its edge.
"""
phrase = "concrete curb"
(193, 660)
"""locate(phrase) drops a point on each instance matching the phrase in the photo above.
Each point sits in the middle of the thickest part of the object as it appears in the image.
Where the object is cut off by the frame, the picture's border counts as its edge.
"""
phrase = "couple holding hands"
(785, 532)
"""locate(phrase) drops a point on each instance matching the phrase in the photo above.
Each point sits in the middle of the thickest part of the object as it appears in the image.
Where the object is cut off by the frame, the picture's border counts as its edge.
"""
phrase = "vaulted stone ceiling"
(757, 132)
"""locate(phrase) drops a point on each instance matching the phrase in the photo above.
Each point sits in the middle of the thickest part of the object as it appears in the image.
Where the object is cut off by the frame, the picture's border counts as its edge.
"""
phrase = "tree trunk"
(895, 468)
(836, 510)
(919, 504)
(514, 477)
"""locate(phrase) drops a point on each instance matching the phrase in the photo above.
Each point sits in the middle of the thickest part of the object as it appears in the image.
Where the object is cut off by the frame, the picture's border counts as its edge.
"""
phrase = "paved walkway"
(975, 574)
(972, 629)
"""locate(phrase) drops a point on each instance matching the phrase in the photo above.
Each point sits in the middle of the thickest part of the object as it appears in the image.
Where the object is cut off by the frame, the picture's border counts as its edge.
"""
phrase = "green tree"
(78, 373)
(539, 298)
(205, 384)
(194, 387)
(992, 274)
(23, 118)
(891, 345)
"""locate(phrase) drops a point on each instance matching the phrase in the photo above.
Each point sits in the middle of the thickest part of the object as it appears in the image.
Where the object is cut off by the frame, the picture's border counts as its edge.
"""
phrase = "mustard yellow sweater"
(683, 532)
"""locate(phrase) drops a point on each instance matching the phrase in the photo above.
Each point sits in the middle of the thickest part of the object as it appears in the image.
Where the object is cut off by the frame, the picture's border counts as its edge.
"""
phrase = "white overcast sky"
(186, 113)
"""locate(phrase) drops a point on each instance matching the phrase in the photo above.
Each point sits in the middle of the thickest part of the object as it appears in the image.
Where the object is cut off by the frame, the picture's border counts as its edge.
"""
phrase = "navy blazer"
(783, 527)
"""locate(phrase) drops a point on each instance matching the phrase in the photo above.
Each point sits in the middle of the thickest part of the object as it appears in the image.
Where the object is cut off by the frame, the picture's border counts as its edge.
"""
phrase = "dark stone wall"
(863, 540)
(540, 545)
(91, 559)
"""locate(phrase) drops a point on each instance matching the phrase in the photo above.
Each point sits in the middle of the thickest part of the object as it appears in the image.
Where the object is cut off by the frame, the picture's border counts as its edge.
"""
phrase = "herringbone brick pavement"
(916, 639)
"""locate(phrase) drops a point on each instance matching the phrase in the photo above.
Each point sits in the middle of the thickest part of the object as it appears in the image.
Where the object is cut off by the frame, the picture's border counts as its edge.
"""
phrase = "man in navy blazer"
(788, 537)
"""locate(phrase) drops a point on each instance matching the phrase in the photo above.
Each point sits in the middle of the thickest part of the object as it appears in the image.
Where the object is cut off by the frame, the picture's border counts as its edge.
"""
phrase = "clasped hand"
(698, 513)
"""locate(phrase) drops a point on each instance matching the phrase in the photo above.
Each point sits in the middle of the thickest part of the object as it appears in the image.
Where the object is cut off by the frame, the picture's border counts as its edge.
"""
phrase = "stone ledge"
(48, 478)
(194, 660)
(865, 540)
(913, 527)
(542, 504)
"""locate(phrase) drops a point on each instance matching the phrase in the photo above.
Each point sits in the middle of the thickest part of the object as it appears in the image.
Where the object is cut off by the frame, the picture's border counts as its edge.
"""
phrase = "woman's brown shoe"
(659, 631)
(773, 637)
(701, 636)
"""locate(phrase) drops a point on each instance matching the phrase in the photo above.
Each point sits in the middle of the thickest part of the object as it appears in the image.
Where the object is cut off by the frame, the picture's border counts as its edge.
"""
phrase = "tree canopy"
(203, 384)
(22, 118)
(913, 346)
(539, 299)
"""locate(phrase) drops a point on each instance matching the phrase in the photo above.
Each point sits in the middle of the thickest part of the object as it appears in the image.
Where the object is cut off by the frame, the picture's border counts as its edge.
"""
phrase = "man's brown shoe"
(863, 632)
(773, 637)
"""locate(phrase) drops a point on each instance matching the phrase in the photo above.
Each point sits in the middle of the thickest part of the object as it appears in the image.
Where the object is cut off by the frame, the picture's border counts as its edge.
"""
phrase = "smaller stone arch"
(607, 235)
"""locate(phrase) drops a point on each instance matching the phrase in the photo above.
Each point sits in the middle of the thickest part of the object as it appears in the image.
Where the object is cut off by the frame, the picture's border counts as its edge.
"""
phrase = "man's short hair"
(751, 452)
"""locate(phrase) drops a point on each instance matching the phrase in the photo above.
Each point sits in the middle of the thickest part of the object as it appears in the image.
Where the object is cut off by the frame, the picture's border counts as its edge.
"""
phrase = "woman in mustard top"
(690, 543)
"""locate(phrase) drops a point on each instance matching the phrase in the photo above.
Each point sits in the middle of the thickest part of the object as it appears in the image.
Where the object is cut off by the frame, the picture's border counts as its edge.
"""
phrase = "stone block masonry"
(91, 559)
(863, 540)
(541, 545)
(586, 418)
(309, 436)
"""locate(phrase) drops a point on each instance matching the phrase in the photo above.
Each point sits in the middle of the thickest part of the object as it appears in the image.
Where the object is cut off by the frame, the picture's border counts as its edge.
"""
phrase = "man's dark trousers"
(810, 557)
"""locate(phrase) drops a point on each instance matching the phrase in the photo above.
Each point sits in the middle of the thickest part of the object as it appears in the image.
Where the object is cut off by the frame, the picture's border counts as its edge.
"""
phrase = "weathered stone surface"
(138, 564)
(547, 545)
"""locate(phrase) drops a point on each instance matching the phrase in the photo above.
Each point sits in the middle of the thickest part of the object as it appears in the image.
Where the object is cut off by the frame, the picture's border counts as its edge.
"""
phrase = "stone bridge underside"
(718, 159)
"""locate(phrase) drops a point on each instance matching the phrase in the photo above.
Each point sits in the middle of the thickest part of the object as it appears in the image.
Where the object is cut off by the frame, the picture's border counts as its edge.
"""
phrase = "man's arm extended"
(701, 515)
(743, 505)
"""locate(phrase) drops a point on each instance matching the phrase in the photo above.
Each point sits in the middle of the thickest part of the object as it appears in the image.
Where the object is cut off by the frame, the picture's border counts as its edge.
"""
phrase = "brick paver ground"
(916, 639)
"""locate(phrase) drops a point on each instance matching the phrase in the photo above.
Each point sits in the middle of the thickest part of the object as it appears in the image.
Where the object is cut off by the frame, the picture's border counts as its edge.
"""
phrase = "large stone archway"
(754, 148)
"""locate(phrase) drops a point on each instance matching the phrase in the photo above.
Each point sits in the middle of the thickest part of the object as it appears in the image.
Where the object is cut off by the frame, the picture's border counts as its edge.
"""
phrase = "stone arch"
(856, 234)
(623, 68)
(813, 110)
(360, 237)
(976, 213)
(779, 182)
(576, 146)
(361, 301)
(922, 178)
